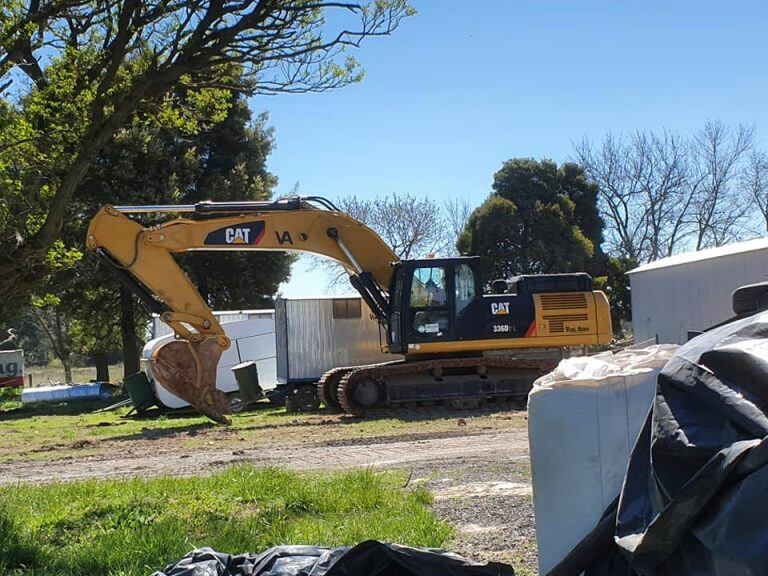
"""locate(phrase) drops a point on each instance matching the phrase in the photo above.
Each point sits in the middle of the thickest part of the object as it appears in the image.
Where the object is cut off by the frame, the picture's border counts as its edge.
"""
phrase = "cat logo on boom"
(250, 234)
(237, 235)
(499, 308)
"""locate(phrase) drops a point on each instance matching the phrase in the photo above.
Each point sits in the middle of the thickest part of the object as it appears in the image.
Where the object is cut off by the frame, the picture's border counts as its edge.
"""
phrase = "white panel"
(160, 328)
(251, 340)
(581, 436)
(670, 301)
(316, 342)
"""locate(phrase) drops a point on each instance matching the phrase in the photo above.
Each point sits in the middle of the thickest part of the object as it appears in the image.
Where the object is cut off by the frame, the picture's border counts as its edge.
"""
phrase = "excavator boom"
(143, 258)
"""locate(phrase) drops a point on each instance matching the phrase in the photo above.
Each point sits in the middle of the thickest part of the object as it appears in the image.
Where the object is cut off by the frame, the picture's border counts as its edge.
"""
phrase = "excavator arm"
(143, 258)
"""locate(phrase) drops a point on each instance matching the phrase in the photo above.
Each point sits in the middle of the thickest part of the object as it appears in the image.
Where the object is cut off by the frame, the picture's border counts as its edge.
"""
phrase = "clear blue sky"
(463, 86)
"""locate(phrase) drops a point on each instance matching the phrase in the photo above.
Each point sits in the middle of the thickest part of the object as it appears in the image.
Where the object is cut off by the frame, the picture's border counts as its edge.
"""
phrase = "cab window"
(430, 316)
(428, 288)
(465, 287)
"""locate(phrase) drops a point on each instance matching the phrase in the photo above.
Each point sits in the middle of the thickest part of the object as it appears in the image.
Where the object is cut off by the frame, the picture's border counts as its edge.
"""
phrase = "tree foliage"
(74, 73)
(230, 165)
(155, 163)
(540, 218)
(615, 284)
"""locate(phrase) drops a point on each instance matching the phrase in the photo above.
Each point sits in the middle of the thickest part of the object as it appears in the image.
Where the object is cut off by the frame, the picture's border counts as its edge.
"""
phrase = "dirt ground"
(479, 475)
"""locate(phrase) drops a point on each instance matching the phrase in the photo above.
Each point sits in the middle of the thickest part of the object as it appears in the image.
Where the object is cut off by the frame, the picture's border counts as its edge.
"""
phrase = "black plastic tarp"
(369, 558)
(695, 495)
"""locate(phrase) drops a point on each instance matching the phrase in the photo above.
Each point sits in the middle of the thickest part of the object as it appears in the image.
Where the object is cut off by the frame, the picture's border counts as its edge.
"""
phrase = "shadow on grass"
(16, 548)
(412, 414)
(160, 433)
(60, 409)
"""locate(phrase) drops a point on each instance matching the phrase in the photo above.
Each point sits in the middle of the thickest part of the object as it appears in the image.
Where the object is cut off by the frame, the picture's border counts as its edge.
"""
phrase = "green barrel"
(247, 376)
(140, 390)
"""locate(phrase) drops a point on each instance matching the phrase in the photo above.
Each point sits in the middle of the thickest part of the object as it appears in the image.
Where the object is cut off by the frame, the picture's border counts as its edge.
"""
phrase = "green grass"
(10, 399)
(132, 527)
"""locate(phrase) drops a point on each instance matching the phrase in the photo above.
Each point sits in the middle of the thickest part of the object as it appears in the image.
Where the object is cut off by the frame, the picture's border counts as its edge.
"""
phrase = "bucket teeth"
(189, 370)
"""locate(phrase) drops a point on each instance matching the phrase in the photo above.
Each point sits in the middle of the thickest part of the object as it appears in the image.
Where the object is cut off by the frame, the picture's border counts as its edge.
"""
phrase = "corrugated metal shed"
(692, 291)
(317, 334)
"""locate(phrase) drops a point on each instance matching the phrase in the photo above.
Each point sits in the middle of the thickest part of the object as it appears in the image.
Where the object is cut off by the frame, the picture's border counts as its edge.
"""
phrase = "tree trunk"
(62, 349)
(67, 363)
(131, 363)
(102, 366)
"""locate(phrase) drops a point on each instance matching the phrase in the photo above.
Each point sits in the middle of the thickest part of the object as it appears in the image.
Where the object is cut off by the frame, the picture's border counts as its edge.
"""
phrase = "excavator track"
(328, 387)
(452, 381)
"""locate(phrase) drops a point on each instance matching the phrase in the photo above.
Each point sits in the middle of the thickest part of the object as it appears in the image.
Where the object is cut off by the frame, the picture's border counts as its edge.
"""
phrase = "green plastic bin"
(247, 376)
(139, 388)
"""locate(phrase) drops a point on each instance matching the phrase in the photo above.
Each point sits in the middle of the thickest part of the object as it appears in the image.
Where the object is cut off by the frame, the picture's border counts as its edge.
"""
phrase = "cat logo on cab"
(499, 308)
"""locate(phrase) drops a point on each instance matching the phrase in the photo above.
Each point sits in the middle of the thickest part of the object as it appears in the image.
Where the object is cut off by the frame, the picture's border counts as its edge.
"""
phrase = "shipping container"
(317, 334)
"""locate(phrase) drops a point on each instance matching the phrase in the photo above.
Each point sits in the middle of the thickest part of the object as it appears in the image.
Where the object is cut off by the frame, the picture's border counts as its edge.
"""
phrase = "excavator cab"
(432, 301)
(438, 306)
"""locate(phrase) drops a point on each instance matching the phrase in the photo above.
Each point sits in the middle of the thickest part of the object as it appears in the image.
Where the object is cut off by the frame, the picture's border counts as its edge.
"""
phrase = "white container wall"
(583, 420)
(251, 340)
(692, 291)
(159, 328)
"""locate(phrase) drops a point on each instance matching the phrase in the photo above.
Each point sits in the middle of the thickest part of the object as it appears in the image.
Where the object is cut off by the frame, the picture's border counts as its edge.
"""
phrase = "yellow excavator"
(456, 341)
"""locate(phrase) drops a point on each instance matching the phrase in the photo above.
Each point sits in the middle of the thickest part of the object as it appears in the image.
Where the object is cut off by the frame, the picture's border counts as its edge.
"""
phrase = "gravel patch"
(490, 504)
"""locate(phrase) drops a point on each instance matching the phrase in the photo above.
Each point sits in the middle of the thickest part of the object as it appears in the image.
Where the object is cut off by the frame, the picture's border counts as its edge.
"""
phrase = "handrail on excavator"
(208, 207)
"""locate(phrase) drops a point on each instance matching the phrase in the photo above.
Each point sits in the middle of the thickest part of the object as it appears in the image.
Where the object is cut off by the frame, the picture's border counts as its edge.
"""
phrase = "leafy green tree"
(230, 166)
(493, 232)
(157, 162)
(50, 311)
(75, 73)
(96, 329)
(540, 218)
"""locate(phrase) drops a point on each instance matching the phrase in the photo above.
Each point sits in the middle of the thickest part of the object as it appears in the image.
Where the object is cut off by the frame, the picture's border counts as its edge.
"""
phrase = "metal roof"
(230, 312)
(707, 254)
(322, 297)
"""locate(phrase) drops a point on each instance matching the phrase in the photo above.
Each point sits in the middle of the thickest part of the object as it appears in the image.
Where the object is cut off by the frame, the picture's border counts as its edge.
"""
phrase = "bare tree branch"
(660, 192)
(413, 227)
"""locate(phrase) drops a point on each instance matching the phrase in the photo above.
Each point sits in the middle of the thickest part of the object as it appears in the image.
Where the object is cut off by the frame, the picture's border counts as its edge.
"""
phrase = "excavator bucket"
(189, 370)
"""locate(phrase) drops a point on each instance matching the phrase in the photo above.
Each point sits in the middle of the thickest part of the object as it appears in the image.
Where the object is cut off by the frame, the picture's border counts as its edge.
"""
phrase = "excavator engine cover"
(188, 369)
